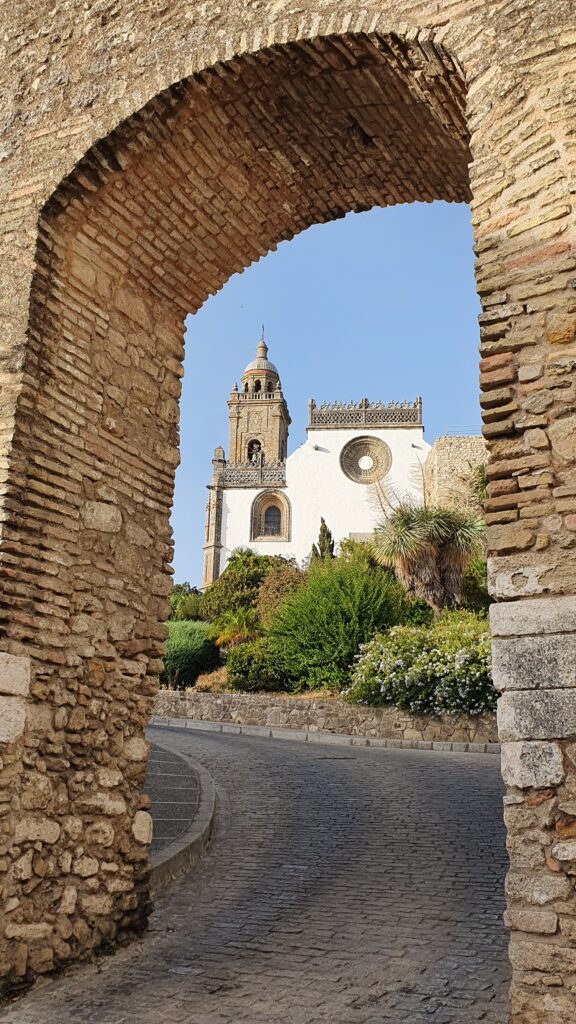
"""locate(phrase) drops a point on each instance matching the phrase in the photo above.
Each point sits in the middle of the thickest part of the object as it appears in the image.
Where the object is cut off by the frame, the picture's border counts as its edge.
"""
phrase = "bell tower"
(258, 414)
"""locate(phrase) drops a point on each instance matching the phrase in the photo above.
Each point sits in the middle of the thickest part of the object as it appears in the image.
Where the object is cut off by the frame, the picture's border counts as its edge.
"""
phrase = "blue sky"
(379, 305)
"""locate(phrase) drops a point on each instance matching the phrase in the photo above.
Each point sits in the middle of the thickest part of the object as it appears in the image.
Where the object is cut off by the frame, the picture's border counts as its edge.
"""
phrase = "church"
(261, 497)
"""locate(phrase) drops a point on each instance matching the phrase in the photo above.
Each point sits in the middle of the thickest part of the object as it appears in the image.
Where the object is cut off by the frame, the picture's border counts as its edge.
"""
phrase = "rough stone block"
(12, 718)
(534, 662)
(135, 749)
(543, 922)
(537, 889)
(99, 515)
(528, 765)
(565, 851)
(37, 829)
(537, 714)
(14, 675)
(142, 827)
(534, 616)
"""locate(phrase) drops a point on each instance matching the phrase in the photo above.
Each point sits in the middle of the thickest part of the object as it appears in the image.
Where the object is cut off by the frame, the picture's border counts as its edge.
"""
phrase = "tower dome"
(261, 371)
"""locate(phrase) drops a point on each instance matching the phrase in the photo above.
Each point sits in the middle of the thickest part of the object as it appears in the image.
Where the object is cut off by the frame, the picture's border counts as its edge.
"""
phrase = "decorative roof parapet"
(246, 474)
(364, 414)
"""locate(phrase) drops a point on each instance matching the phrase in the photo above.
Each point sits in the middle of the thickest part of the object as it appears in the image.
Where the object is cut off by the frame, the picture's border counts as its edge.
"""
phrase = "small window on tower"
(246, 386)
(272, 521)
(257, 385)
(255, 453)
(270, 387)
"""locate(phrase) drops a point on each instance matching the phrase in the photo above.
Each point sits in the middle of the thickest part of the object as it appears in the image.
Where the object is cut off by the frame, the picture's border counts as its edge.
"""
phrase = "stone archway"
(291, 123)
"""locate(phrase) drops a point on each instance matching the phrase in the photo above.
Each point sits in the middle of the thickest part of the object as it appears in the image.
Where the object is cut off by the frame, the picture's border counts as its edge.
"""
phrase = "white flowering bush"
(442, 668)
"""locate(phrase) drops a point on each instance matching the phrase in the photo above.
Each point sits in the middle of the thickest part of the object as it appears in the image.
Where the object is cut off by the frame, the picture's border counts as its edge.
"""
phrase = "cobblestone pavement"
(343, 886)
(174, 789)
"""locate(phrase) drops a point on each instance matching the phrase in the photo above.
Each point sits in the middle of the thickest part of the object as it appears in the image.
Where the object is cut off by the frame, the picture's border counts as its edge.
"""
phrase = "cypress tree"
(325, 547)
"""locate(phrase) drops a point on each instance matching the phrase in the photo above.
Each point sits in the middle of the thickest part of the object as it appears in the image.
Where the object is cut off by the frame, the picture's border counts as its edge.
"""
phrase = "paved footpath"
(343, 886)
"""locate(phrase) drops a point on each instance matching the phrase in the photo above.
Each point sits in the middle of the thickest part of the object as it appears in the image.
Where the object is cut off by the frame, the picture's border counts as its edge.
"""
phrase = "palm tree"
(429, 549)
(235, 628)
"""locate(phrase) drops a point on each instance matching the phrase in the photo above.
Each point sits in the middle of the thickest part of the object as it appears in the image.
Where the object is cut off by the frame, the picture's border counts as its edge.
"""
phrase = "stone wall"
(137, 174)
(448, 469)
(334, 716)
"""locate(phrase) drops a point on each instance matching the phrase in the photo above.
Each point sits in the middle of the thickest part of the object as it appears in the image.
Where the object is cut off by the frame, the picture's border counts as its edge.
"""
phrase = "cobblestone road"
(344, 886)
(174, 789)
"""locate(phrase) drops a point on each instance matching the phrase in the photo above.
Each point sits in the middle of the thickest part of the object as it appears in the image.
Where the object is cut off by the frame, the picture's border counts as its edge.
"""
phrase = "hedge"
(188, 654)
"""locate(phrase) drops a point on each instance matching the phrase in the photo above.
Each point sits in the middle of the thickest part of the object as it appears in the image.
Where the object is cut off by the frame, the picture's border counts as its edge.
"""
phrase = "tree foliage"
(257, 666)
(429, 549)
(234, 628)
(325, 546)
(281, 580)
(239, 584)
(189, 651)
(184, 602)
(317, 630)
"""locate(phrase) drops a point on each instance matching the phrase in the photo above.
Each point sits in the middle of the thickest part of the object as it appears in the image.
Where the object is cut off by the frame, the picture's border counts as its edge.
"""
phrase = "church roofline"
(338, 415)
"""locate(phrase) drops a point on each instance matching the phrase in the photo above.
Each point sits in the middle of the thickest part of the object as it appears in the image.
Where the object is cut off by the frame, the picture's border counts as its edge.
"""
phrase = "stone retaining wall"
(334, 716)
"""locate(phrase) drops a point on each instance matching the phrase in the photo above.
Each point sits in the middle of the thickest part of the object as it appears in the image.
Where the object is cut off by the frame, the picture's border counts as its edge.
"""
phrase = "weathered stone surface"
(28, 932)
(564, 851)
(534, 617)
(562, 435)
(14, 675)
(69, 899)
(329, 715)
(35, 827)
(544, 922)
(535, 764)
(101, 833)
(109, 777)
(85, 866)
(537, 888)
(536, 714)
(12, 718)
(534, 662)
(135, 749)
(99, 515)
(103, 803)
(142, 827)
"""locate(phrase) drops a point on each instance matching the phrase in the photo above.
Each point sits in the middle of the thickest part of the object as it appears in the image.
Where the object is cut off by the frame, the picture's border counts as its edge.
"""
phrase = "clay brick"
(496, 378)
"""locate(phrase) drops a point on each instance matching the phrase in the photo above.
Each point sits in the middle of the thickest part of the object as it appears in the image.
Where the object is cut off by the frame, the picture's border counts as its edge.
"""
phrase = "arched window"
(272, 521)
(271, 517)
(255, 453)
(246, 386)
(270, 387)
(257, 385)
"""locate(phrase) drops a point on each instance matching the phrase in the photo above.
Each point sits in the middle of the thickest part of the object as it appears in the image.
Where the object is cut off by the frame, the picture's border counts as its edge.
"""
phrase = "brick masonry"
(137, 173)
(332, 716)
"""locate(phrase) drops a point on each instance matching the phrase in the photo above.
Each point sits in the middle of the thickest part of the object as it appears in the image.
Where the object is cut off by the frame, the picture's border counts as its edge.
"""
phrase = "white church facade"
(261, 498)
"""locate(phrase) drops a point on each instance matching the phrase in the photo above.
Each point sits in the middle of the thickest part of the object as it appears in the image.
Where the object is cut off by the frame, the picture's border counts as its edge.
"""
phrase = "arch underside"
(209, 176)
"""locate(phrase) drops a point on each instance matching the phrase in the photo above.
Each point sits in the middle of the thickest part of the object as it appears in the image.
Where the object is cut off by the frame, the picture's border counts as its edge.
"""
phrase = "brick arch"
(213, 172)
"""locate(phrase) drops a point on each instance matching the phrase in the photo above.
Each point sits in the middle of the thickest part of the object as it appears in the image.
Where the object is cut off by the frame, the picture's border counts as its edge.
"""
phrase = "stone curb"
(318, 736)
(180, 856)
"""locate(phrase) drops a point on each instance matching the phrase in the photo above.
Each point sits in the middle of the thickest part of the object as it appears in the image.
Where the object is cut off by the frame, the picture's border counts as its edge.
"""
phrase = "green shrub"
(475, 595)
(256, 666)
(188, 653)
(187, 608)
(279, 581)
(184, 602)
(417, 613)
(239, 584)
(318, 629)
(443, 668)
